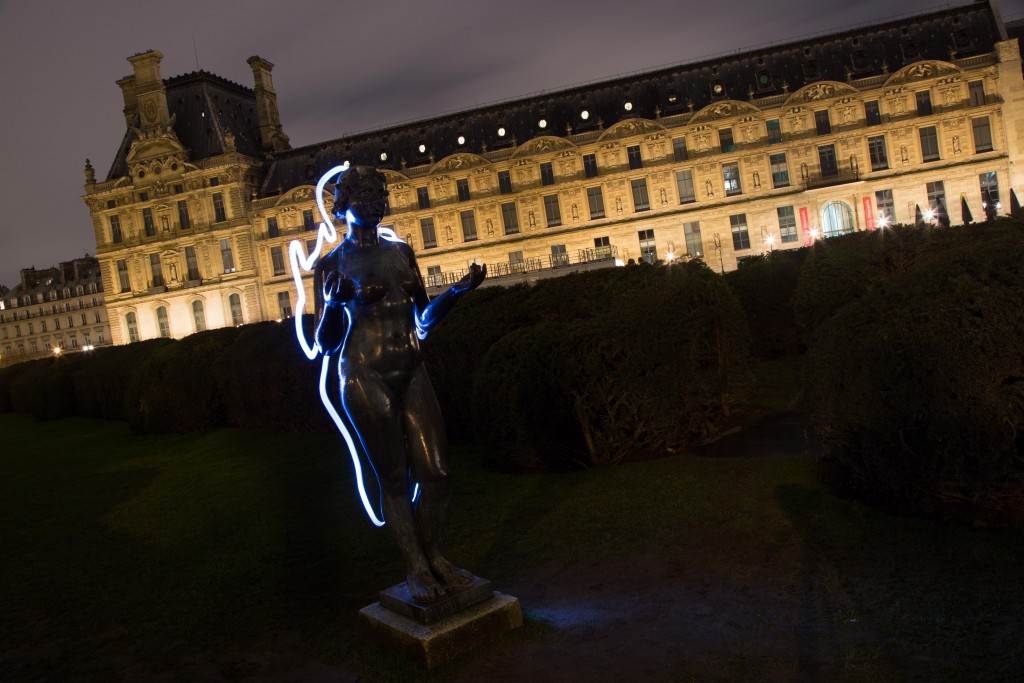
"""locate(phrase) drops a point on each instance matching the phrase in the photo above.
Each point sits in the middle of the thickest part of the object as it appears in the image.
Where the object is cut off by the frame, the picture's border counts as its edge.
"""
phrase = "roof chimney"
(131, 105)
(149, 89)
(271, 132)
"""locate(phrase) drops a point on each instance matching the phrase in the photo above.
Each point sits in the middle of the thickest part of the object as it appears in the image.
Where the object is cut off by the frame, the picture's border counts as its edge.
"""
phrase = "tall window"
(929, 144)
(284, 305)
(641, 202)
(774, 131)
(510, 218)
(725, 140)
(937, 197)
(558, 255)
(422, 197)
(218, 208)
(595, 201)
(648, 250)
(133, 327)
(272, 229)
(989, 194)
(589, 165)
(780, 170)
(505, 181)
(552, 212)
(308, 224)
(633, 153)
(740, 238)
(679, 149)
(155, 270)
(427, 231)
(277, 260)
(184, 220)
(235, 305)
(731, 176)
(694, 244)
(191, 263)
(462, 188)
(872, 115)
(976, 92)
(434, 276)
(787, 223)
(684, 185)
(982, 134)
(468, 220)
(198, 315)
(886, 206)
(924, 103)
(547, 174)
(225, 256)
(115, 230)
(877, 153)
(822, 124)
(147, 222)
(827, 161)
(162, 323)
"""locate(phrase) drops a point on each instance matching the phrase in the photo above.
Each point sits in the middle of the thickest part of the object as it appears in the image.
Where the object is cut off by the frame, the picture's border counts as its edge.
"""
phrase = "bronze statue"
(374, 311)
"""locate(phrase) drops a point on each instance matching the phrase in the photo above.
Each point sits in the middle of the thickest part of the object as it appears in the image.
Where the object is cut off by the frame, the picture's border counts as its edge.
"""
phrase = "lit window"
(648, 249)
(198, 316)
(235, 304)
(641, 201)
(501, 132)
(694, 244)
(780, 170)
(510, 218)
(427, 231)
(731, 176)
(877, 153)
(595, 202)
(284, 305)
(468, 220)
(133, 328)
(162, 323)
(886, 206)
(740, 238)
(461, 140)
(787, 223)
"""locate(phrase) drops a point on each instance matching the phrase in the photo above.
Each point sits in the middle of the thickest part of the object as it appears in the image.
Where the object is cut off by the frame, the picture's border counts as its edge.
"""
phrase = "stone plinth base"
(439, 643)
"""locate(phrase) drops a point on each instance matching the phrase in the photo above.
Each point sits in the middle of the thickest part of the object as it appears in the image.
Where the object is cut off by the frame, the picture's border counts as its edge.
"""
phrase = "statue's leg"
(428, 460)
(372, 407)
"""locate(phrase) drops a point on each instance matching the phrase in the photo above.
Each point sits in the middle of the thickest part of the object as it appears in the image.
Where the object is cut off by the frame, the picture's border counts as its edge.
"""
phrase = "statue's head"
(363, 191)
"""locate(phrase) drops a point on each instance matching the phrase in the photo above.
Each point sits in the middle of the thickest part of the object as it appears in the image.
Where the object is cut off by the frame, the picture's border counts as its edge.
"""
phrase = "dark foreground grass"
(233, 555)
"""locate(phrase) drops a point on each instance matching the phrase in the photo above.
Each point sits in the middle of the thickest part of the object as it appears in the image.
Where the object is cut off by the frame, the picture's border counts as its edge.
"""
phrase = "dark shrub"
(917, 388)
(652, 363)
(100, 383)
(268, 383)
(8, 376)
(764, 286)
(44, 388)
(175, 389)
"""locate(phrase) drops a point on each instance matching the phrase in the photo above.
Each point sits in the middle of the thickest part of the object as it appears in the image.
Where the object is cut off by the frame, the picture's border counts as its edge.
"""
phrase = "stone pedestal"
(439, 632)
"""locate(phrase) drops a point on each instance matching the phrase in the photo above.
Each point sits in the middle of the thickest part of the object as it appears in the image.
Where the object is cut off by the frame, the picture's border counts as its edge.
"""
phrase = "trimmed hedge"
(764, 286)
(917, 386)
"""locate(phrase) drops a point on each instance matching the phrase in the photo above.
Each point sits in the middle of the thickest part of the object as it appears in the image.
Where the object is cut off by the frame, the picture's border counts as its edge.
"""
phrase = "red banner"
(805, 227)
(869, 214)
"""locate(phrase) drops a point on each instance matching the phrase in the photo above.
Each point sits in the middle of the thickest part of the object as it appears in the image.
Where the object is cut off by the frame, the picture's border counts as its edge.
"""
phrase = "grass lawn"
(236, 555)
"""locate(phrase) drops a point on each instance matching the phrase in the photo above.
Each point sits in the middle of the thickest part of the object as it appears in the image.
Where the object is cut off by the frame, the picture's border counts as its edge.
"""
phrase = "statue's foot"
(423, 587)
(450, 575)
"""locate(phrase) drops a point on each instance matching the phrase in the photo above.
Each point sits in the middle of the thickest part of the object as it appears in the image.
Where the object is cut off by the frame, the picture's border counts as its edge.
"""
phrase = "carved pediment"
(542, 145)
(158, 142)
(920, 71)
(631, 127)
(820, 91)
(724, 110)
(302, 193)
(457, 162)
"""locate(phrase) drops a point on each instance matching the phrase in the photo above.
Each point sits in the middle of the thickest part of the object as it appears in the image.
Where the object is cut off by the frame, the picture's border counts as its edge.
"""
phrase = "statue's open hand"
(338, 289)
(472, 279)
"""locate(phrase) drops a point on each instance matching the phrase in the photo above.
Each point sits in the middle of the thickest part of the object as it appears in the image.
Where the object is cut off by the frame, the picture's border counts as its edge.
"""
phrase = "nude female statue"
(374, 302)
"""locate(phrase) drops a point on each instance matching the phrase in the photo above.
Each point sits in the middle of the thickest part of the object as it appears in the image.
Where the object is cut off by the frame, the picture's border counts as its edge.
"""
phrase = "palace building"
(53, 311)
(721, 159)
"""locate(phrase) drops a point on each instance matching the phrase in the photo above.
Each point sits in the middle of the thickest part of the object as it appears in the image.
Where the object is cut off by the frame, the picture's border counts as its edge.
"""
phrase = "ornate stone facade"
(718, 160)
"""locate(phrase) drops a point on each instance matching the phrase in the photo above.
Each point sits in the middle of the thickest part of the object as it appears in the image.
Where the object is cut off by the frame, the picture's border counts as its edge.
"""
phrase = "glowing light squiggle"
(299, 262)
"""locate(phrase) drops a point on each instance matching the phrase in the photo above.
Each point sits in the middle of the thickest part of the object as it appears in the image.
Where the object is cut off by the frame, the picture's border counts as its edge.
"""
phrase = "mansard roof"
(205, 107)
(685, 89)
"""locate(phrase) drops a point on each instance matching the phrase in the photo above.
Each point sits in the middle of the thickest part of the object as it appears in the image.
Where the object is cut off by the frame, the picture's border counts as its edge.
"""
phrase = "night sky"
(377, 63)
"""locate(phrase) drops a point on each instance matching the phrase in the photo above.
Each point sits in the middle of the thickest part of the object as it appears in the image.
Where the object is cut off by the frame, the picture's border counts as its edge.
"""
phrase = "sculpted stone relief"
(631, 127)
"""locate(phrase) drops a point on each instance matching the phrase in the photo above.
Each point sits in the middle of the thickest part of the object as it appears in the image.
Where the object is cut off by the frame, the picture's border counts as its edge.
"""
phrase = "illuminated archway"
(836, 219)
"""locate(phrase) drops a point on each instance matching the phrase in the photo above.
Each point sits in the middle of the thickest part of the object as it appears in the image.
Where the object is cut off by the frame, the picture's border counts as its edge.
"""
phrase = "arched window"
(67, 293)
(836, 219)
(161, 322)
(92, 287)
(235, 303)
(79, 290)
(198, 315)
(133, 328)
